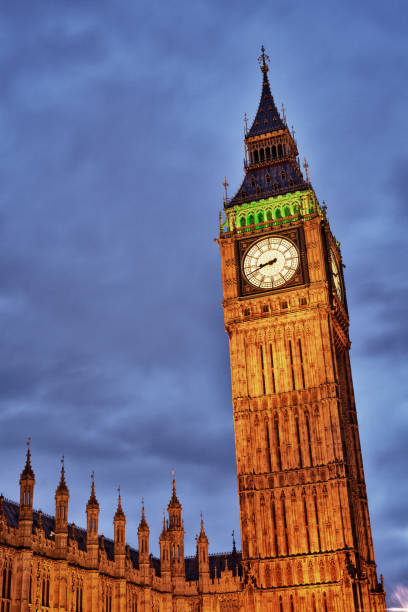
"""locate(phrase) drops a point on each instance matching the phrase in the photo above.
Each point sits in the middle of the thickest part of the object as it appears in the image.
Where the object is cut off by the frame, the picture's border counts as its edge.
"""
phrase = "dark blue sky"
(118, 122)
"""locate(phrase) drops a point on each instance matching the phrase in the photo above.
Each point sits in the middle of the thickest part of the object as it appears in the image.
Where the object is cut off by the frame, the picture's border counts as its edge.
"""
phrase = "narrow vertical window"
(262, 368)
(301, 363)
(285, 525)
(272, 369)
(277, 443)
(275, 529)
(317, 521)
(292, 370)
(299, 447)
(268, 447)
(305, 517)
(309, 442)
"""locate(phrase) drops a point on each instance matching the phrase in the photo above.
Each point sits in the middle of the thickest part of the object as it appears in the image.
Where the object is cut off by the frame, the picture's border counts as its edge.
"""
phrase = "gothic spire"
(267, 118)
(271, 156)
(62, 486)
(92, 502)
(119, 510)
(202, 536)
(174, 502)
(28, 470)
(143, 526)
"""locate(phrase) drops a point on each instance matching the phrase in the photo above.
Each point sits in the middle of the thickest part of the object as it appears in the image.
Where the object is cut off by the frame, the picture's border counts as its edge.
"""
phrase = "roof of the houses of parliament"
(217, 562)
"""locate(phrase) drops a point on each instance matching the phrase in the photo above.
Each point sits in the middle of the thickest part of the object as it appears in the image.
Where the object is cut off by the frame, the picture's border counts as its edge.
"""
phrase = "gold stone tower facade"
(305, 527)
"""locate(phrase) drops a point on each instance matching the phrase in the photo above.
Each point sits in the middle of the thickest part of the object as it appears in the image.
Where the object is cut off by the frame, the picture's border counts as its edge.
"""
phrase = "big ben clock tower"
(305, 526)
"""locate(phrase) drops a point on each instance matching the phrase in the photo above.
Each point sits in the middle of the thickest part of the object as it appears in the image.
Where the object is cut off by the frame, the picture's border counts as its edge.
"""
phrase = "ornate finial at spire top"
(306, 167)
(283, 109)
(263, 60)
(245, 124)
(225, 185)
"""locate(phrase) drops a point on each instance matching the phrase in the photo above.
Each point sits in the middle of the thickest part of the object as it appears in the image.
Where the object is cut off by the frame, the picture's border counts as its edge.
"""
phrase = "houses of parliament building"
(305, 525)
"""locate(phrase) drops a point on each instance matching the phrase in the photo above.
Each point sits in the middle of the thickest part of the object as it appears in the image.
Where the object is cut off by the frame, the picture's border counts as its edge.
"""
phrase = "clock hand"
(268, 263)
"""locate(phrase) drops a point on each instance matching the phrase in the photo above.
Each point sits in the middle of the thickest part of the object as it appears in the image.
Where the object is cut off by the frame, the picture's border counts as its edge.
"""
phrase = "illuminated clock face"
(336, 275)
(271, 262)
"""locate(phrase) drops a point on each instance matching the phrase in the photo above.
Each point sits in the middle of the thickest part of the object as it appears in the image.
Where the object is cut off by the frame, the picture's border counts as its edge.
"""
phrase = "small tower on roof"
(119, 526)
(143, 533)
(61, 513)
(92, 521)
(202, 556)
(27, 482)
(165, 548)
(176, 533)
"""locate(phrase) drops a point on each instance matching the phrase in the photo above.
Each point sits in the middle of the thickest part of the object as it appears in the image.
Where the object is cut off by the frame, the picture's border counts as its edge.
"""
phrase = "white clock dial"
(336, 275)
(271, 262)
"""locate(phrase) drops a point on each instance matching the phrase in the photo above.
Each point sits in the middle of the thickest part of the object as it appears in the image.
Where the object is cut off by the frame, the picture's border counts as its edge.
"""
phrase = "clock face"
(336, 275)
(271, 262)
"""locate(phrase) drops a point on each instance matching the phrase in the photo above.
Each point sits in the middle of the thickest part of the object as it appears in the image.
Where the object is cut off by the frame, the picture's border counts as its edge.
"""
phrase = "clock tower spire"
(305, 527)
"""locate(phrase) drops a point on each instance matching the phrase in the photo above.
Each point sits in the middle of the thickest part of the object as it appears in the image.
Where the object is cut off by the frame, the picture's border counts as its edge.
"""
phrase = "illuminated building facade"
(305, 527)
